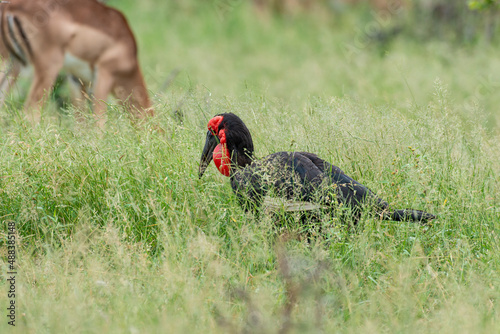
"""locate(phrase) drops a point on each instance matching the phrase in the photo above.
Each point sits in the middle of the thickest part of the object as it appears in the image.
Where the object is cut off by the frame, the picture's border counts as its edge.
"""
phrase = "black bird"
(298, 176)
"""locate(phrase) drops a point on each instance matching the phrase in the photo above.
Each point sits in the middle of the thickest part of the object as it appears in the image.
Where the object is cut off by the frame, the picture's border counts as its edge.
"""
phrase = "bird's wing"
(289, 175)
(298, 176)
(349, 191)
(322, 165)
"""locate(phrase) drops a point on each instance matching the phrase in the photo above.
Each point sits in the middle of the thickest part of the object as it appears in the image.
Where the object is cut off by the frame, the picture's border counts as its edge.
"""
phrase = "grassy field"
(116, 233)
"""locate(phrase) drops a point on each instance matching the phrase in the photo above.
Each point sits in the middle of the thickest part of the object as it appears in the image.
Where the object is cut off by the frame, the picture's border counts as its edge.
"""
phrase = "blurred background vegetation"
(387, 52)
(376, 51)
(450, 20)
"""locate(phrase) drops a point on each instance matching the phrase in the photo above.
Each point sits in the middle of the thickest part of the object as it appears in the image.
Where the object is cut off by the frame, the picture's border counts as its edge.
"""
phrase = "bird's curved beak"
(210, 143)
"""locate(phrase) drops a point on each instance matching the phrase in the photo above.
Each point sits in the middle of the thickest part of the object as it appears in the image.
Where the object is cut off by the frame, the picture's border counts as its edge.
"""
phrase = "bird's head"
(228, 142)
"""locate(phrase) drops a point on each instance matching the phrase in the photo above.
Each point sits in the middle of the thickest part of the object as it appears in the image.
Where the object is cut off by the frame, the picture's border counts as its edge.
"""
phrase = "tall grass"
(116, 233)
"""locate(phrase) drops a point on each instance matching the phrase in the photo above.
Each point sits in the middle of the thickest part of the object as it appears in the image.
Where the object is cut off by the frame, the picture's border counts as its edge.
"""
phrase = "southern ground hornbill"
(298, 176)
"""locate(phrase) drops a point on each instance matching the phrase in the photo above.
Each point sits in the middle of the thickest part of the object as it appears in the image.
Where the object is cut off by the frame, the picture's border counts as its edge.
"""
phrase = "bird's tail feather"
(408, 215)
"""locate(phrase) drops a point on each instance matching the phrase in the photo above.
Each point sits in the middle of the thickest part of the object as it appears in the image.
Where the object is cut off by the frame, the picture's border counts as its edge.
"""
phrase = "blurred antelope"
(87, 39)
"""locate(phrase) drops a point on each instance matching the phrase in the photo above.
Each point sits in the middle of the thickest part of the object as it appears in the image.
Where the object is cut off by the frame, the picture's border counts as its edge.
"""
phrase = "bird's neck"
(241, 158)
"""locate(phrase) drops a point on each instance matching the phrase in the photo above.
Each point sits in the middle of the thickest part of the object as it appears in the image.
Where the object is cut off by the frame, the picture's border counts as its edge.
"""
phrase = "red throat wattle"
(222, 159)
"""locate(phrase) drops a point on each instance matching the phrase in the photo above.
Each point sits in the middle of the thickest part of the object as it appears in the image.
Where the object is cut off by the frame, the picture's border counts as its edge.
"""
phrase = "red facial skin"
(221, 155)
(213, 124)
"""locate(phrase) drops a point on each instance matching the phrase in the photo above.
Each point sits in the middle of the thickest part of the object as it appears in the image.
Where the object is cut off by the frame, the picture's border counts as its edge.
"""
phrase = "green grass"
(116, 233)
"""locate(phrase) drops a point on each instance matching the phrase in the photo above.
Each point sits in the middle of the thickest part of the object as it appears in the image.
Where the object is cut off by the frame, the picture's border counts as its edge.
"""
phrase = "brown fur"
(41, 32)
(9, 72)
